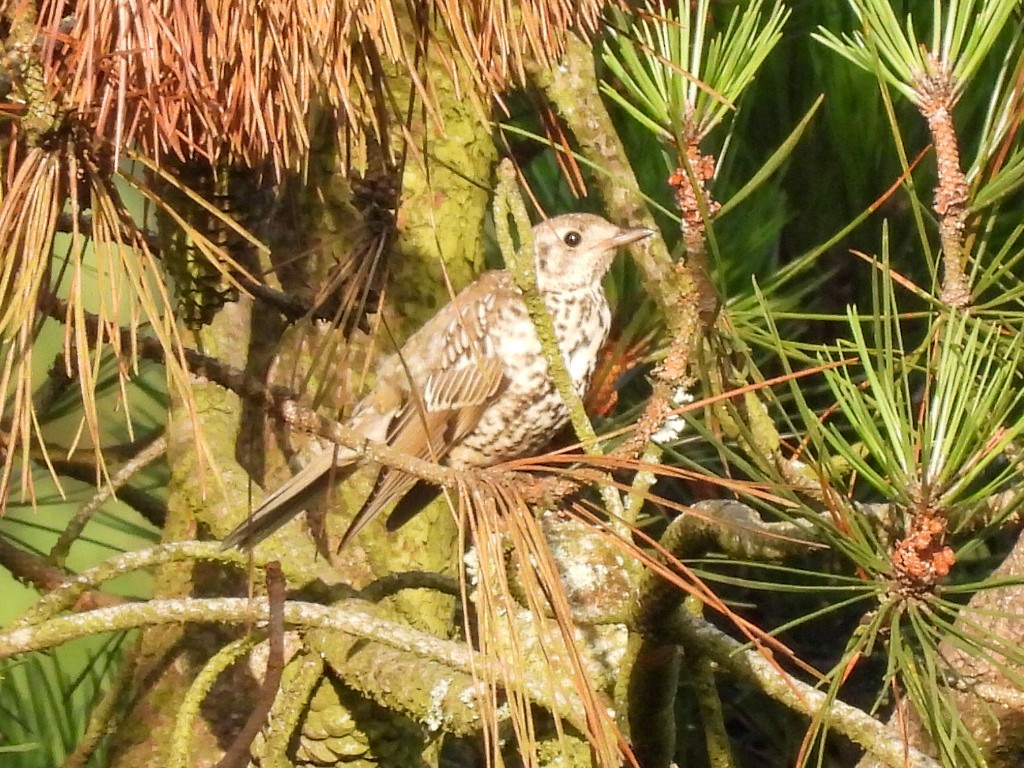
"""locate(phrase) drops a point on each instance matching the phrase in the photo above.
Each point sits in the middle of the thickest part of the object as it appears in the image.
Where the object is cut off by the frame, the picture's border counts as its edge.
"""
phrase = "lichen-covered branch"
(696, 207)
(704, 672)
(648, 698)
(189, 709)
(655, 664)
(573, 89)
(508, 201)
(74, 529)
(754, 668)
(348, 617)
(61, 598)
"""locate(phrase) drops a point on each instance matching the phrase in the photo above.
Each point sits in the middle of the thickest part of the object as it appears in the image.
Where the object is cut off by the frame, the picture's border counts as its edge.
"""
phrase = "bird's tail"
(292, 497)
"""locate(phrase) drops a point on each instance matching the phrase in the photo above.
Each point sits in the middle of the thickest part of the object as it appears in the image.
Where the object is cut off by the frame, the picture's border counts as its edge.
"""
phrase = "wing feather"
(451, 405)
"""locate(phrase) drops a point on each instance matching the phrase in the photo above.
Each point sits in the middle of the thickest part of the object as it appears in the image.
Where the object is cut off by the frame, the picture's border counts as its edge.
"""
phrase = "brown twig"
(696, 206)
(238, 753)
(34, 571)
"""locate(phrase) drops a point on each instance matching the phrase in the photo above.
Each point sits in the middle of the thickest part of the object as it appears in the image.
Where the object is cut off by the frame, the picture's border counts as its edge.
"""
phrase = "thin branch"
(751, 666)
(353, 619)
(35, 571)
(349, 617)
(63, 597)
(574, 90)
(238, 753)
(288, 305)
(508, 201)
(392, 583)
(74, 529)
(146, 504)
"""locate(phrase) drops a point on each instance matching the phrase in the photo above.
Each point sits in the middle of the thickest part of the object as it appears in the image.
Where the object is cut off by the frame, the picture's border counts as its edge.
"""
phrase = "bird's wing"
(291, 497)
(428, 426)
(460, 396)
(321, 473)
(452, 376)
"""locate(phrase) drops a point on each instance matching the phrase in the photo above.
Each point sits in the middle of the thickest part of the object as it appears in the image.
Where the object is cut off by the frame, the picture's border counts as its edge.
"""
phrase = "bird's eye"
(572, 239)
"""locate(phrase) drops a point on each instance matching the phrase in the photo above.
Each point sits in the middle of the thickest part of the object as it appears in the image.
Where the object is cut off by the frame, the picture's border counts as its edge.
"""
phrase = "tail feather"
(391, 484)
(411, 504)
(291, 498)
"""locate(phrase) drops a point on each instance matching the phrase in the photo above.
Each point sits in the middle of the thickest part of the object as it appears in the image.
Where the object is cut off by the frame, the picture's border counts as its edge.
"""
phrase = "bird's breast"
(580, 319)
(529, 411)
(581, 323)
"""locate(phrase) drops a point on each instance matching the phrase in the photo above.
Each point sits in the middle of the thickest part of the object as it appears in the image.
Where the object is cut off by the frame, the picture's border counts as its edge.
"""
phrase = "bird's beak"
(627, 236)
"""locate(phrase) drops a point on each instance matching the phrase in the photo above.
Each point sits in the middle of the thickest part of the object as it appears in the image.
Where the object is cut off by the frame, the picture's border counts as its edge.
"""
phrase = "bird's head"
(575, 250)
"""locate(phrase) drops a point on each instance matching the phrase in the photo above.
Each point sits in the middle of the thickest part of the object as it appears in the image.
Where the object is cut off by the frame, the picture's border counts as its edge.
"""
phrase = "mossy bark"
(445, 193)
(438, 248)
(169, 657)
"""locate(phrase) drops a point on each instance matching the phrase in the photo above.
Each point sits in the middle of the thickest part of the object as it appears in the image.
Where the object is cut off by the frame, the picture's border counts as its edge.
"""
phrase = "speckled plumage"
(471, 388)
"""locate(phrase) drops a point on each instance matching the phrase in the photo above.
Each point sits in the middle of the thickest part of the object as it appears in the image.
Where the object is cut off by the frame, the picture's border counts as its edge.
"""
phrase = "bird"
(472, 387)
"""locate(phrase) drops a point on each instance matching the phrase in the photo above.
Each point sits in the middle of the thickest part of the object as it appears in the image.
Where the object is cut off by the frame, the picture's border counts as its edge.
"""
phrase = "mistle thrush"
(472, 388)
